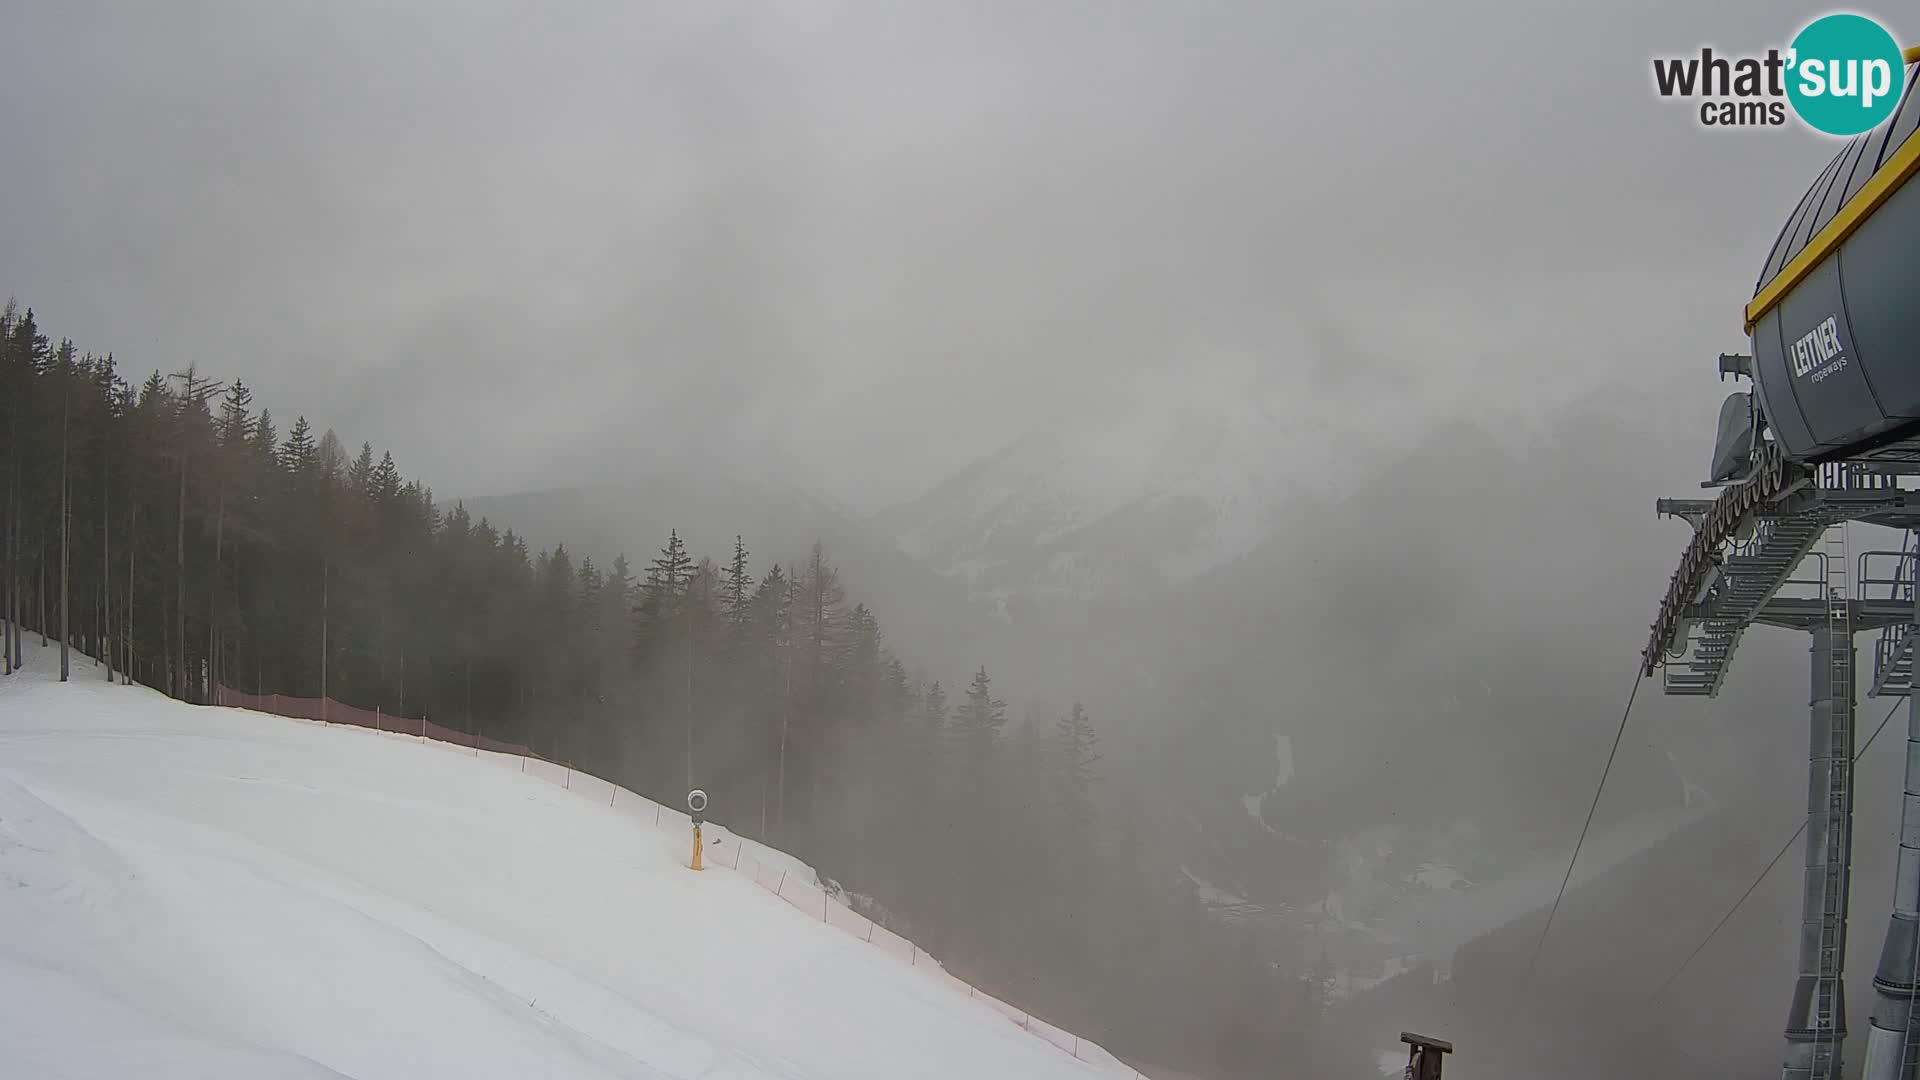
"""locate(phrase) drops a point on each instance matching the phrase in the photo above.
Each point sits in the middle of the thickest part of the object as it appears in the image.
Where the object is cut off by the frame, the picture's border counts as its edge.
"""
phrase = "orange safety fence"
(330, 711)
(774, 871)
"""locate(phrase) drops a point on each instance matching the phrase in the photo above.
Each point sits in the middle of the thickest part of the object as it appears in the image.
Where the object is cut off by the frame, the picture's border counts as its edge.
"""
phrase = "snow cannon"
(1834, 327)
(696, 806)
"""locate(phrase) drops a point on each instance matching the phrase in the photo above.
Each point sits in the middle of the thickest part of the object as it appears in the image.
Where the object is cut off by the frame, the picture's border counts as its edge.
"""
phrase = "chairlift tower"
(1789, 564)
(1829, 434)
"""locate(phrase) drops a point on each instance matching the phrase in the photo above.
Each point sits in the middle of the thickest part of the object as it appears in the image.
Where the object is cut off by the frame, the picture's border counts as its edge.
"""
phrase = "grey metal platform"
(1744, 587)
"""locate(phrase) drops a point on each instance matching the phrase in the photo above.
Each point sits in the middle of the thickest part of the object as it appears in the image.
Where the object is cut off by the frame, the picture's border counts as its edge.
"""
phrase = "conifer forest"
(170, 529)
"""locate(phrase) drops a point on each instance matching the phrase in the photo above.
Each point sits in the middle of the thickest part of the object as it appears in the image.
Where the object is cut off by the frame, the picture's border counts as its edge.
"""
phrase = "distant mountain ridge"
(1100, 505)
(1242, 584)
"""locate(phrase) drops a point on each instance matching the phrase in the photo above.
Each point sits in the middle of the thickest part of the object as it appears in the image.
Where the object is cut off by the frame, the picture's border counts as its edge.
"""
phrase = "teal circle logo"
(1845, 75)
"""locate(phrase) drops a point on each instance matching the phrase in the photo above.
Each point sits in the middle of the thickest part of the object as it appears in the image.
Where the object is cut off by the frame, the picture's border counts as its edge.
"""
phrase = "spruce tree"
(360, 473)
(1071, 780)
(669, 572)
(386, 477)
(229, 470)
(236, 422)
(738, 592)
(13, 384)
(330, 459)
(63, 361)
(297, 454)
(981, 716)
(266, 447)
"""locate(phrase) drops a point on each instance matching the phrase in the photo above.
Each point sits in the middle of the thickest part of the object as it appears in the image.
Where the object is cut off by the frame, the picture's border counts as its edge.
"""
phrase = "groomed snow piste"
(196, 893)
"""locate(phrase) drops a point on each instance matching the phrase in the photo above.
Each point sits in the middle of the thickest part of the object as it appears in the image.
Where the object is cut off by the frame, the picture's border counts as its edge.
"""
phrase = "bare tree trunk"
(179, 652)
(106, 568)
(65, 627)
(325, 568)
(786, 715)
(133, 521)
(16, 574)
(19, 573)
(7, 610)
(380, 650)
(10, 547)
(66, 624)
(19, 584)
(40, 595)
(213, 588)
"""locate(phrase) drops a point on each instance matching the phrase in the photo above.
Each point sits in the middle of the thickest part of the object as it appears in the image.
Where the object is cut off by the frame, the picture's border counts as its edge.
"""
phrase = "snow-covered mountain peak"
(1147, 491)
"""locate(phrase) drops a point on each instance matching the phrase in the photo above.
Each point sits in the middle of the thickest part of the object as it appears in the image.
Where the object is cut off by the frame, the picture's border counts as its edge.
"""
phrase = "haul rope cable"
(1578, 844)
(1775, 861)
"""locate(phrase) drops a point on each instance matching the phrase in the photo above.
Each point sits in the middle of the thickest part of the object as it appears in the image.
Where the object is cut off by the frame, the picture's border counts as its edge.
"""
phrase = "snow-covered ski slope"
(193, 892)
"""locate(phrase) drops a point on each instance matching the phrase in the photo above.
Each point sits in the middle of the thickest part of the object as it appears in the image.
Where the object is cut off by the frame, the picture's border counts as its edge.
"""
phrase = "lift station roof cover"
(1836, 315)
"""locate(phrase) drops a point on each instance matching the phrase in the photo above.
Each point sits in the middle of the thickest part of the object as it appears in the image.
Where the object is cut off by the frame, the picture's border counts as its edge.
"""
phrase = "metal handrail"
(1900, 585)
(1819, 582)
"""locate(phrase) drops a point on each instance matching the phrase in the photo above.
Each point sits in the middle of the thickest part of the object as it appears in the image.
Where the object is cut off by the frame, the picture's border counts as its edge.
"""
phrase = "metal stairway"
(1748, 577)
(1893, 652)
(1739, 582)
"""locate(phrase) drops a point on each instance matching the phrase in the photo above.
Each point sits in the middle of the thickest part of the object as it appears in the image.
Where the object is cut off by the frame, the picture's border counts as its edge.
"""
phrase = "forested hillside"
(176, 532)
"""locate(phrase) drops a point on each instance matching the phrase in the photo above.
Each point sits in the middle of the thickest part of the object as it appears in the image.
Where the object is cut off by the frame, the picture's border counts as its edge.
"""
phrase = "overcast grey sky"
(864, 243)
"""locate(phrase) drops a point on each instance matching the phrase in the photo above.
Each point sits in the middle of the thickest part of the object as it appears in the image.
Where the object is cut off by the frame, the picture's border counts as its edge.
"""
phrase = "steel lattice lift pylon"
(1746, 566)
(1826, 436)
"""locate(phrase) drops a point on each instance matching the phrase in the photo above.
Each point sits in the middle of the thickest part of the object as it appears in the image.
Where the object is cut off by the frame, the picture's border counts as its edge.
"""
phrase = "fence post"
(376, 718)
